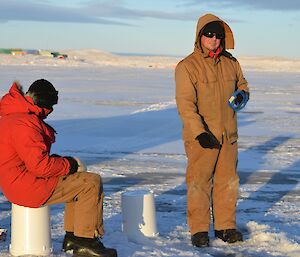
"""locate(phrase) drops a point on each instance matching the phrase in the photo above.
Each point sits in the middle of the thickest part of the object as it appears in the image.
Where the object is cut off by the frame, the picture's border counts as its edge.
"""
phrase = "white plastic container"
(30, 231)
(138, 213)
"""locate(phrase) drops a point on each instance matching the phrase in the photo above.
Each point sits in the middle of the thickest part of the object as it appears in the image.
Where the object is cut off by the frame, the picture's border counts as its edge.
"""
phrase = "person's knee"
(96, 180)
(91, 180)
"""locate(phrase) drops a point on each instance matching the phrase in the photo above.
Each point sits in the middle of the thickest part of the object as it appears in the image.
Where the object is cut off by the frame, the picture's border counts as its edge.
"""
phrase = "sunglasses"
(212, 34)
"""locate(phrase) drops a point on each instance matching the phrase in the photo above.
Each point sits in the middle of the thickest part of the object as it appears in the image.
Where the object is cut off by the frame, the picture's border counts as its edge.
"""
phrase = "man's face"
(211, 43)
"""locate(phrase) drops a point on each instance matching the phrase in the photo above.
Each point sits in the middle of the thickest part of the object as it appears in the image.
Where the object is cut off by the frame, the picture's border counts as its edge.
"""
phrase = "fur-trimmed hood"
(15, 101)
(207, 18)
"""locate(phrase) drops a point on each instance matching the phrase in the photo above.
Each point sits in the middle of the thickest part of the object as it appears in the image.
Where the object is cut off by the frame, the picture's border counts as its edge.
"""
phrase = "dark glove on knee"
(55, 155)
(73, 164)
(208, 140)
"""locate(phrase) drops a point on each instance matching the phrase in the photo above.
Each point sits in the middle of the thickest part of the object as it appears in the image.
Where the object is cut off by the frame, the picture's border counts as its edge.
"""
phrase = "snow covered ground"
(118, 114)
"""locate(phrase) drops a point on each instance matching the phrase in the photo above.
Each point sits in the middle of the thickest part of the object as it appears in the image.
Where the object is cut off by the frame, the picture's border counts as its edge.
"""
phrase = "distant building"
(19, 51)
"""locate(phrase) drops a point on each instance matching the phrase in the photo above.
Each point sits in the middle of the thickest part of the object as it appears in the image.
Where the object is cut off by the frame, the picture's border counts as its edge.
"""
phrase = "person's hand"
(81, 165)
(73, 164)
(241, 96)
(208, 140)
(55, 155)
(238, 100)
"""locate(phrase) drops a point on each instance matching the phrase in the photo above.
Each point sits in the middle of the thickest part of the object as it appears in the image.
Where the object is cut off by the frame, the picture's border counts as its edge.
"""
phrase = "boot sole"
(231, 241)
(107, 254)
(200, 246)
(70, 251)
(67, 249)
(84, 255)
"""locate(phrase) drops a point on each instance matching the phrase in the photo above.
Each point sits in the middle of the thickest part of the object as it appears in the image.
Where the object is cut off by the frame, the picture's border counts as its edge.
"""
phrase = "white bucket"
(30, 231)
(138, 212)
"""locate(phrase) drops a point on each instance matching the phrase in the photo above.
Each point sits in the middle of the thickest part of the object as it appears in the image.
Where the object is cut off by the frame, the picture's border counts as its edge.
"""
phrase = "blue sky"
(261, 27)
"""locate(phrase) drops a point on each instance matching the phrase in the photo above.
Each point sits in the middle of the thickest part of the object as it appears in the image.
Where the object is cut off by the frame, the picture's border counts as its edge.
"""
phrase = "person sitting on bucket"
(31, 177)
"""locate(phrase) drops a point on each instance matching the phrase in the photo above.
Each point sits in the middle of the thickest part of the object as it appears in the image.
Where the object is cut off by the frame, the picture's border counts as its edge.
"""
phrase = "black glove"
(73, 164)
(208, 140)
(239, 97)
(55, 155)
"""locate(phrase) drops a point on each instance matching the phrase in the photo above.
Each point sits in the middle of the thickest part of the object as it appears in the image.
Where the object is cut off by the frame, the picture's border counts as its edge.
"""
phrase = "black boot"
(87, 247)
(92, 247)
(68, 243)
(200, 239)
(229, 235)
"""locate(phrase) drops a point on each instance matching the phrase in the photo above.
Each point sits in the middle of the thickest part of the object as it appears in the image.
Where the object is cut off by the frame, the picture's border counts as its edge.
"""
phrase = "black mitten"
(55, 155)
(73, 164)
(208, 140)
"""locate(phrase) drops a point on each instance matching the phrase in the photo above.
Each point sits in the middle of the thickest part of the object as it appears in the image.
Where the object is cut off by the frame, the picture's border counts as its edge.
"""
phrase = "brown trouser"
(83, 194)
(211, 173)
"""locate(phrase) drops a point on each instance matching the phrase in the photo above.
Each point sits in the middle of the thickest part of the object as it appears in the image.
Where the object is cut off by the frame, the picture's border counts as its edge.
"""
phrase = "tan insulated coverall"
(203, 87)
(83, 194)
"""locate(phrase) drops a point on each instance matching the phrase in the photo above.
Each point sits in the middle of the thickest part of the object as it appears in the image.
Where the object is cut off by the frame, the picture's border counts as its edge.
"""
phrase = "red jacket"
(28, 174)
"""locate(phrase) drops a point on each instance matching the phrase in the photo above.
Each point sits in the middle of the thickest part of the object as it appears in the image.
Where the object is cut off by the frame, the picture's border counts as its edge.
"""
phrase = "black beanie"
(43, 93)
(214, 27)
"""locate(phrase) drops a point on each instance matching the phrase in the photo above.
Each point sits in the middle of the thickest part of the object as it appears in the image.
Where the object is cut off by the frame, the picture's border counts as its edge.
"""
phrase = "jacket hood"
(16, 102)
(207, 18)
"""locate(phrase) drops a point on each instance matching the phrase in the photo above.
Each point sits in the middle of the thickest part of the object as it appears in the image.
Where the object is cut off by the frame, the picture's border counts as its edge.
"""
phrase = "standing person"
(205, 81)
(31, 177)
